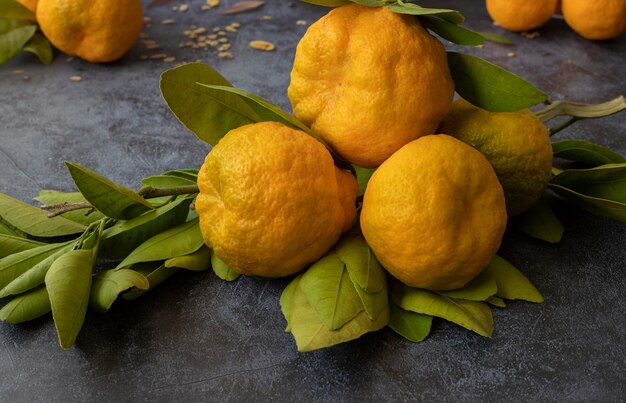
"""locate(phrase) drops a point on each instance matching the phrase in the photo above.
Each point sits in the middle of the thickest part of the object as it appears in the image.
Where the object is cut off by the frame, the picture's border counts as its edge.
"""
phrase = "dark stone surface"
(197, 338)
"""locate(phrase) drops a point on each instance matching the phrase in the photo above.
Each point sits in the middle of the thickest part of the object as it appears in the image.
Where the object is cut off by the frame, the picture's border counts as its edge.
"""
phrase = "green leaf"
(266, 111)
(472, 315)
(451, 16)
(13, 10)
(18, 263)
(109, 284)
(7, 229)
(585, 152)
(512, 284)
(208, 113)
(34, 221)
(363, 176)
(375, 304)
(111, 199)
(540, 222)
(496, 301)
(183, 173)
(120, 239)
(496, 38)
(339, 3)
(328, 3)
(222, 270)
(287, 298)
(10, 244)
(311, 333)
(480, 288)
(370, 3)
(40, 46)
(452, 32)
(166, 181)
(582, 111)
(55, 197)
(604, 182)
(329, 290)
(155, 272)
(34, 276)
(92, 236)
(363, 267)
(174, 178)
(26, 307)
(180, 240)
(366, 274)
(491, 87)
(594, 205)
(68, 283)
(199, 260)
(412, 326)
(13, 36)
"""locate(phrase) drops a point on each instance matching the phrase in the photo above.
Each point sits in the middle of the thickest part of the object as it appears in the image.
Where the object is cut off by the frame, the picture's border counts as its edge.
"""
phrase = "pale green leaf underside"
(199, 260)
(472, 315)
(221, 269)
(329, 290)
(69, 283)
(311, 334)
(540, 222)
(512, 284)
(26, 307)
(108, 285)
(412, 326)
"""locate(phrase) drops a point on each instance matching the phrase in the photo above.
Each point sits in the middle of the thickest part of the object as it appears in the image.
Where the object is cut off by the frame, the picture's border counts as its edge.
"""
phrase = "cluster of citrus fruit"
(98, 31)
(412, 236)
(595, 20)
(272, 201)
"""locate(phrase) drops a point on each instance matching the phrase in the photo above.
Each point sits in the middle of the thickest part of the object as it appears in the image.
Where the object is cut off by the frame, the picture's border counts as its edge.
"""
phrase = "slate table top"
(198, 338)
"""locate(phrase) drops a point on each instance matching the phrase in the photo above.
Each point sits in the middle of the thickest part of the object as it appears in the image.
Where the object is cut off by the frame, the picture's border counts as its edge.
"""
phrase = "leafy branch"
(147, 192)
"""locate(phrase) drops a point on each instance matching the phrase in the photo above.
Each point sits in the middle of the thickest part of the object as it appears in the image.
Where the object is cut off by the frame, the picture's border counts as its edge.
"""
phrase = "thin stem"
(65, 207)
(563, 125)
(149, 192)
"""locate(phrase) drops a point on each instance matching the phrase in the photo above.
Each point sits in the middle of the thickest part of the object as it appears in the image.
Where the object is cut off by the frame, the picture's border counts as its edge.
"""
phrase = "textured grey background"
(197, 338)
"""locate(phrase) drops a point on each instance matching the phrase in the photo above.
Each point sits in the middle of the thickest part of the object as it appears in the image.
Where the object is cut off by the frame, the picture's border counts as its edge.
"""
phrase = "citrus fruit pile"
(382, 198)
(434, 211)
(594, 20)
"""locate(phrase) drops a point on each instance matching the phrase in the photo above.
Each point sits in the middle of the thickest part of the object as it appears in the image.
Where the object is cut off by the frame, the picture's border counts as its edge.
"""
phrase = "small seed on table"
(262, 45)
